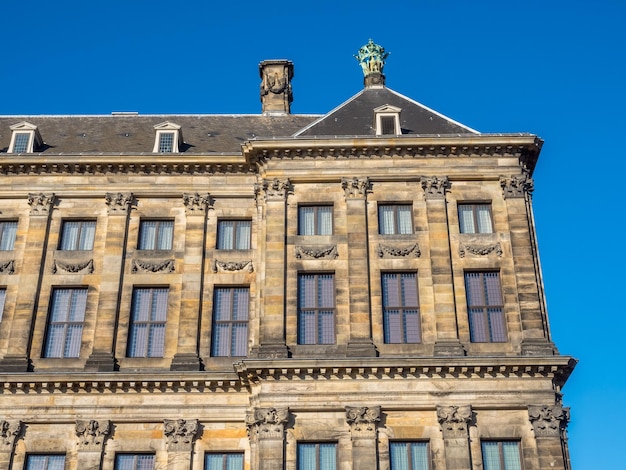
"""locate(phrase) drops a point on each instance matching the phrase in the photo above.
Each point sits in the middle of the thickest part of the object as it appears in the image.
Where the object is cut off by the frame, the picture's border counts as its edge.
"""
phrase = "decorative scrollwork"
(363, 420)
(435, 187)
(516, 186)
(274, 189)
(180, 433)
(197, 203)
(454, 420)
(398, 252)
(92, 434)
(267, 423)
(40, 204)
(85, 267)
(144, 266)
(548, 421)
(232, 266)
(480, 250)
(355, 188)
(118, 202)
(317, 253)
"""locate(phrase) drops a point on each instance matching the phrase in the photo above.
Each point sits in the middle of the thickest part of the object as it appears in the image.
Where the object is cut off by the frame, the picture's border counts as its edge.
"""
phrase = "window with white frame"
(8, 231)
(156, 234)
(316, 308)
(395, 219)
(45, 462)
(134, 462)
(146, 336)
(409, 456)
(230, 321)
(234, 234)
(168, 138)
(401, 315)
(25, 138)
(315, 220)
(223, 461)
(317, 456)
(501, 455)
(485, 307)
(65, 322)
(387, 120)
(77, 235)
(475, 218)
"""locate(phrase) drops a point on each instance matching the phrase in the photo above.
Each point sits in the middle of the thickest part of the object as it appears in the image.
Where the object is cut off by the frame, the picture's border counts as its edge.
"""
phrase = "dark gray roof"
(356, 116)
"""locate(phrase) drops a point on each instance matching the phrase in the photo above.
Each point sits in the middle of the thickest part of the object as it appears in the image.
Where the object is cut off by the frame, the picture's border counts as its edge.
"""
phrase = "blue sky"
(553, 68)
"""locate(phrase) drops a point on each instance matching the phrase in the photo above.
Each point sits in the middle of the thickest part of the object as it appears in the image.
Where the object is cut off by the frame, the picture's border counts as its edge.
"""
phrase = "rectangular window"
(409, 455)
(317, 456)
(166, 142)
(45, 462)
(3, 294)
(485, 307)
(395, 219)
(228, 461)
(401, 315)
(134, 462)
(230, 321)
(8, 230)
(22, 139)
(475, 218)
(65, 322)
(388, 125)
(77, 235)
(501, 455)
(147, 327)
(315, 220)
(234, 234)
(156, 234)
(316, 309)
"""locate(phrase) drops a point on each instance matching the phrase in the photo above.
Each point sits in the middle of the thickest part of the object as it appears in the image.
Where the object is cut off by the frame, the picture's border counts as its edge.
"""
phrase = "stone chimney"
(276, 96)
(372, 57)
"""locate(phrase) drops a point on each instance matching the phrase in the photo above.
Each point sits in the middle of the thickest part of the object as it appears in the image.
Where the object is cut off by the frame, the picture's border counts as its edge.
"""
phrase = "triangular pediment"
(386, 108)
(23, 126)
(167, 126)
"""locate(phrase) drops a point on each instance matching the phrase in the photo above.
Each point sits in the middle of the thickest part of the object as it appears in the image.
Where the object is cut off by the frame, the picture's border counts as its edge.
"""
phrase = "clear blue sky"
(554, 68)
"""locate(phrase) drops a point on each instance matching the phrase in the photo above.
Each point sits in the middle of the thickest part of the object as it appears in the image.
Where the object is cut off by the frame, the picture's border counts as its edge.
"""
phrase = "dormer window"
(168, 138)
(25, 138)
(387, 120)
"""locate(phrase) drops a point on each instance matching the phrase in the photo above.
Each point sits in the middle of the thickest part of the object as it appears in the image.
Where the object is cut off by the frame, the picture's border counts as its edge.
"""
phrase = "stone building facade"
(356, 290)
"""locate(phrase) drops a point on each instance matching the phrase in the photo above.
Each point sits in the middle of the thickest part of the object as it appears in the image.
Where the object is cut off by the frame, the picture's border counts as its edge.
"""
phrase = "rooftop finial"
(372, 59)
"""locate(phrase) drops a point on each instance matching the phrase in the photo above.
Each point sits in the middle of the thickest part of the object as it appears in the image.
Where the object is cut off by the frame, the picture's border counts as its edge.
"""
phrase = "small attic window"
(168, 138)
(25, 138)
(387, 120)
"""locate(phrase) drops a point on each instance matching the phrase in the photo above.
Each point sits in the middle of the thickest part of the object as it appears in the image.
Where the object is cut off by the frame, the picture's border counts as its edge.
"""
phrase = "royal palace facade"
(355, 290)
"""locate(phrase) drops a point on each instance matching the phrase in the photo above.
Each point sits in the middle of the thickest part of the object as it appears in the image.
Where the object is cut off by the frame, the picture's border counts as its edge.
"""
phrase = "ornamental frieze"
(398, 252)
(232, 266)
(516, 186)
(40, 204)
(118, 203)
(355, 188)
(92, 434)
(197, 203)
(479, 250)
(548, 421)
(85, 267)
(180, 434)
(274, 189)
(267, 423)
(316, 253)
(145, 266)
(7, 267)
(435, 187)
(363, 421)
(9, 430)
(454, 420)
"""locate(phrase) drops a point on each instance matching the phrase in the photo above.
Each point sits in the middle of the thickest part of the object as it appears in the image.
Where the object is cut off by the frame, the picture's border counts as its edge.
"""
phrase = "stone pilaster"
(363, 423)
(454, 421)
(9, 432)
(360, 343)
(266, 429)
(447, 342)
(549, 424)
(180, 435)
(272, 195)
(91, 437)
(102, 357)
(31, 272)
(196, 206)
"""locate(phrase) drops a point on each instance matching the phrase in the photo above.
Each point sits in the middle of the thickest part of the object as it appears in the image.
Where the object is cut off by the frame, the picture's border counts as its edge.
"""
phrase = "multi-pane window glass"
(475, 218)
(315, 220)
(317, 456)
(316, 309)
(501, 455)
(230, 321)
(395, 219)
(401, 316)
(166, 142)
(45, 462)
(223, 462)
(409, 455)
(156, 234)
(65, 324)
(148, 318)
(77, 235)
(3, 294)
(22, 139)
(134, 462)
(233, 234)
(388, 125)
(8, 230)
(485, 307)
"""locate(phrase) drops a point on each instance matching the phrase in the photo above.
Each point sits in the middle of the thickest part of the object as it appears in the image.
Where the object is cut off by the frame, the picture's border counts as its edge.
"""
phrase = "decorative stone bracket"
(454, 420)
(180, 434)
(267, 423)
(92, 434)
(548, 421)
(363, 421)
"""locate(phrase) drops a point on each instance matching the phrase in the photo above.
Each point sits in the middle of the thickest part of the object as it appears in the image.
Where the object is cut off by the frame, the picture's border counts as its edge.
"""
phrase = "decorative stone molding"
(7, 267)
(92, 434)
(363, 421)
(316, 253)
(118, 203)
(85, 267)
(454, 420)
(180, 434)
(231, 266)
(274, 189)
(434, 187)
(516, 186)
(398, 252)
(267, 423)
(479, 250)
(197, 204)
(355, 188)
(548, 421)
(9, 430)
(40, 204)
(144, 266)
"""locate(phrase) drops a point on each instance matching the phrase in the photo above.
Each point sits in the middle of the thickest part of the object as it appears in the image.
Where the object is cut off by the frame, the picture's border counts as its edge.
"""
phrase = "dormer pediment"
(387, 108)
(25, 138)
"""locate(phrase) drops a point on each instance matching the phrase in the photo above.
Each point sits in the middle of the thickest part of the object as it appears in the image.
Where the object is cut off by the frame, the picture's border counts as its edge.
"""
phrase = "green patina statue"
(372, 58)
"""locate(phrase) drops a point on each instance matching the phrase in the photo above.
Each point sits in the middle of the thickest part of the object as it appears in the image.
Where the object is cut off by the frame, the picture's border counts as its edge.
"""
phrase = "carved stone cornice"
(83, 267)
(9, 431)
(454, 421)
(273, 190)
(516, 186)
(180, 434)
(479, 250)
(40, 204)
(267, 423)
(92, 434)
(197, 204)
(316, 252)
(435, 187)
(7, 267)
(548, 421)
(118, 203)
(231, 266)
(398, 252)
(363, 421)
(150, 266)
(355, 188)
